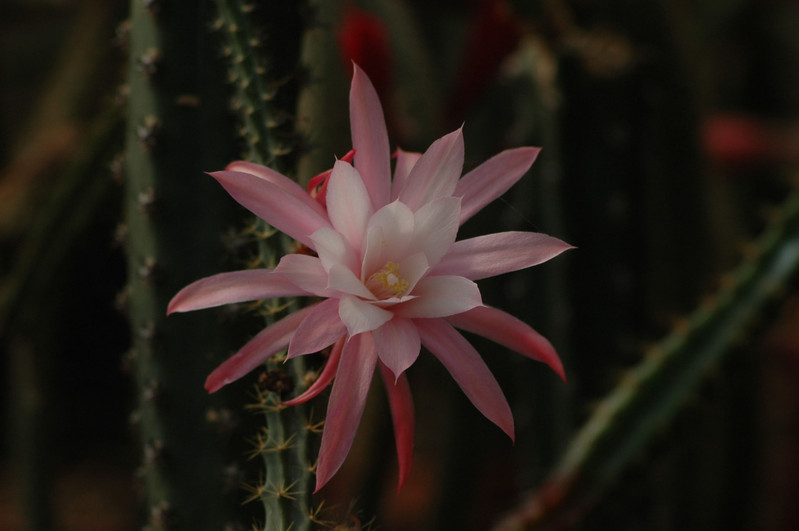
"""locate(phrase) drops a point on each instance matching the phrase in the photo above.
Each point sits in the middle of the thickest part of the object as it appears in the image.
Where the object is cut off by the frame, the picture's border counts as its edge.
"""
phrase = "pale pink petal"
(493, 178)
(348, 204)
(468, 369)
(333, 249)
(436, 226)
(342, 279)
(273, 204)
(398, 344)
(370, 139)
(320, 329)
(360, 316)
(436, 173)
(413, 269)
(235, 286)
(346, 404)
(405, 163)
(388, 237)
(440, 296)
(279, 179)
(269, 341)
(305, 272)
(324, 379)
(502, 252)
(401, 403)
(510, 332)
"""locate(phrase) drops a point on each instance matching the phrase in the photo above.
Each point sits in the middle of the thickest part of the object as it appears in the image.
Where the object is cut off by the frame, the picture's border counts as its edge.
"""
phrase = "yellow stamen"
(387, 282)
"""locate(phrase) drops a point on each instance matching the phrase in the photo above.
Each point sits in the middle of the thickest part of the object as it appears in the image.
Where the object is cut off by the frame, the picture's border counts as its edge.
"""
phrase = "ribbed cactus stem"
(172, 218)
(286, 442)
(254, 93)
(650, 395)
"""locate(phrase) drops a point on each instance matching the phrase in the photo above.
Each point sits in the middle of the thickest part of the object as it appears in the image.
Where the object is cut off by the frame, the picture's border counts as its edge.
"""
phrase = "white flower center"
(387, 282)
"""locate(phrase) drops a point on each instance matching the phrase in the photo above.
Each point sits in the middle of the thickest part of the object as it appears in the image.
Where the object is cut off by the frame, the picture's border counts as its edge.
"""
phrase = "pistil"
(387, 282)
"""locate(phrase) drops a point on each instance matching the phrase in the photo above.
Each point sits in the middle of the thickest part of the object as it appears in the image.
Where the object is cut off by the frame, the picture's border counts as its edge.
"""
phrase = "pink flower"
(389, 272)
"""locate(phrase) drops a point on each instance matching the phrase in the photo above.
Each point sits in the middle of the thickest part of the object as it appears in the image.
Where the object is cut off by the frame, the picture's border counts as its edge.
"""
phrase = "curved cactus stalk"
(651, 394)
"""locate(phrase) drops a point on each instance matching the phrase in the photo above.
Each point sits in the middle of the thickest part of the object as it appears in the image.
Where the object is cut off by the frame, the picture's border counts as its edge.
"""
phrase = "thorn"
(153, 453)
(146, 200)
(117, 168)
(148, 132)
(255, 491)
(149, 62)
(148, 270)
(120, 238)
(162, 516)
(151, 392)
(233, 476)
(122, 35)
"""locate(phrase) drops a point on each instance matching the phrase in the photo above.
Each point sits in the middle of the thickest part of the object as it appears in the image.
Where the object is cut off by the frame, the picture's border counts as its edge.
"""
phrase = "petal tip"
(557, 366)
(212, 385)
(174, 305)
(401, 482)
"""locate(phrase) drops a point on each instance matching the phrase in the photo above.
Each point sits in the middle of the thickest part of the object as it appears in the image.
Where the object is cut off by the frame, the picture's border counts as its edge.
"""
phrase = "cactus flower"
(389, 272)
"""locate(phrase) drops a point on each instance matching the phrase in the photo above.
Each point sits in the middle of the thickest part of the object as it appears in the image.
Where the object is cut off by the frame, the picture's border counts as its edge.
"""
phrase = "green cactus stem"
(286, 442)
(650, 395)
(173, 216)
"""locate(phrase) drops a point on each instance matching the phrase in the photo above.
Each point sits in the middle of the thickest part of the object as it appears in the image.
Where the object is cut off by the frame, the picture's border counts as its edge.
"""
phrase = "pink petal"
(333, 249)
(398, 344)
(388, 236)
(436, 173)
(324, 379)
(370, 139)
(360, 316)
(260, 348)
(348, 204)
(436, 226)
(305, 272)
(440, 296)
(493, 178)
(413, 268)
(401, 404)
(342, 279)
(502, 252)
(273, 204)
(320, 329)
(510, 332)
(235, 286)
(406, 160)
(346, 405)
(468, 369)
(279, 179)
